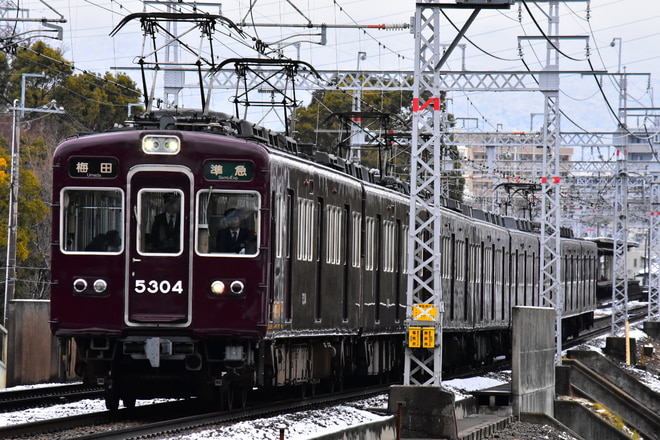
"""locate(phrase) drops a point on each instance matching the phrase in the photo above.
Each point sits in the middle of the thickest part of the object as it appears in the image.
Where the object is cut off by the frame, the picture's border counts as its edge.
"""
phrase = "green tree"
(38, 59)
(92, 102)
(101, 101)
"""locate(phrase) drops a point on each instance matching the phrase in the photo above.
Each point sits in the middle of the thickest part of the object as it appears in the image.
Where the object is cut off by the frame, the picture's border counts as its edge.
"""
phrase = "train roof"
(222, 123)
(606, 244)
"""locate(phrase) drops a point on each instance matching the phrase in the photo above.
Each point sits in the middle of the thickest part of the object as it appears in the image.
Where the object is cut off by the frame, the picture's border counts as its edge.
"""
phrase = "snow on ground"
(297, 426)
(300, 425)
(87, 406)
(463, 387)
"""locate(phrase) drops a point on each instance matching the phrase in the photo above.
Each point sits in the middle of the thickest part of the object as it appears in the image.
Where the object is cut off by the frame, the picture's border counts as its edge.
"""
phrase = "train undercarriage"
(223, 372)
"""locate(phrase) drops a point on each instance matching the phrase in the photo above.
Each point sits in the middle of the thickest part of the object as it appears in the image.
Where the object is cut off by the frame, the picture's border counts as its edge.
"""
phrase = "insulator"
(390, 27)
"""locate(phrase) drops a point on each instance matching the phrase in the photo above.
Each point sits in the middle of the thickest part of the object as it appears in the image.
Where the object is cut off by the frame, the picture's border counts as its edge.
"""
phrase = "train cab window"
(160, 226)
(228, 223)
(92, 220)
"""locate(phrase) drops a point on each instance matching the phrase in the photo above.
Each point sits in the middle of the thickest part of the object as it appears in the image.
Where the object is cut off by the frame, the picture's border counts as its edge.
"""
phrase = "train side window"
(369, 241)
(228, 223)
(92, 220)
(279, 219)
(334, 233)
(306, 229)
(356, 252)
(405, 251)
(389, 249)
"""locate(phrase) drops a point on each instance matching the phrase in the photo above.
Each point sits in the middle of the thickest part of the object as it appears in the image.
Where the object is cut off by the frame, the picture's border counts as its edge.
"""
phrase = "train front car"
(158, 261)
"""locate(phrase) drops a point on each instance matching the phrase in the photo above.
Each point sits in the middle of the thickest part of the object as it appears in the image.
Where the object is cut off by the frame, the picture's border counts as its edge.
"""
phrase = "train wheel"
(111, 399)
(229, 398)
(331, 385)
(129, 402)
(242, 396)
(338, 383)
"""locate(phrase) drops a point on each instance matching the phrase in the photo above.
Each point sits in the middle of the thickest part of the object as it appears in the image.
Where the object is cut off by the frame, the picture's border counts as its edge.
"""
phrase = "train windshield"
(228, 223)
(160, 222)
(92, 220)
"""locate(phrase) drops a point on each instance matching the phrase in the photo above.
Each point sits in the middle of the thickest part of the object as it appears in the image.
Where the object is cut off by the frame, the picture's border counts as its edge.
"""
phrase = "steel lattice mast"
(552, 292)
(620, 244)
(654, 252)
(423, 354)
(423, 362)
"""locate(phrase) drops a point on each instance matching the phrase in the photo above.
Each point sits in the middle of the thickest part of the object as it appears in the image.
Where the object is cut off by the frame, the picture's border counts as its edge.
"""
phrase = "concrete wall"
(426, 411)
(533, 360)
(32, 355)
(384, 429)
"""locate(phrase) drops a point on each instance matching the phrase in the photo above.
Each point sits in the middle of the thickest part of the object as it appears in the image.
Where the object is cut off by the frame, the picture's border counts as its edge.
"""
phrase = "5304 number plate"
(164, 287)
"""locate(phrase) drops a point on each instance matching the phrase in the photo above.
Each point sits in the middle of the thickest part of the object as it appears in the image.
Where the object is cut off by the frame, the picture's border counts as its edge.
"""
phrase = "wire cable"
(476, 46)
(524, 2)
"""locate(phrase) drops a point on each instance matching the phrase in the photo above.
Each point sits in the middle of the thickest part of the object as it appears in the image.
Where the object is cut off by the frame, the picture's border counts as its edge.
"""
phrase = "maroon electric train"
(199, 255)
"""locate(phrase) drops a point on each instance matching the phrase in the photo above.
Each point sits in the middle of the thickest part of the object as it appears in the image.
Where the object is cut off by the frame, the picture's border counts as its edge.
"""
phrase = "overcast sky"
(635, 24)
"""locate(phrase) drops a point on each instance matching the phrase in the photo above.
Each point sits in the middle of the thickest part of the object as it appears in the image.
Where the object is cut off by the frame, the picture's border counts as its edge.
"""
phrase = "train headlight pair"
(99, 286)
(161, 144)
(219, 287)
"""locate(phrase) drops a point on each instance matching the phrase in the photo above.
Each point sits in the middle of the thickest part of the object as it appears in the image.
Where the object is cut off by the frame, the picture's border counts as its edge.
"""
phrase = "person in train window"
(108, 242)
(233, 239)
(166, 228)
(98, 244)
(114, 240)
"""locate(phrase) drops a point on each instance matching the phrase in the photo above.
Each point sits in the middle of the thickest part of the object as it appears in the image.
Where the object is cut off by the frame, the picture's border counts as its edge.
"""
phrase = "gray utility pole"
(12, 222)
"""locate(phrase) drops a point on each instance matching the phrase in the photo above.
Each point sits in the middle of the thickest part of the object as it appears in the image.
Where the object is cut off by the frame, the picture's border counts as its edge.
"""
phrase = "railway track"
(602, 326)
(34, 397)
(166, 419)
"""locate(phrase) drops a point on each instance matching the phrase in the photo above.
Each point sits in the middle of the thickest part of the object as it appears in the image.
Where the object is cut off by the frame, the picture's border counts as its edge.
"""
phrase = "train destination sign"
(101, 167)
(228, 170)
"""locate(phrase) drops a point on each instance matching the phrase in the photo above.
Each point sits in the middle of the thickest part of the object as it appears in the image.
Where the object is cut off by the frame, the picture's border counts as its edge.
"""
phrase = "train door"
(158, 277)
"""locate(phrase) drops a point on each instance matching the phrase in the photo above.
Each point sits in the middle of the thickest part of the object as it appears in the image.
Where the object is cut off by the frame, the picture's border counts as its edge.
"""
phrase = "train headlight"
(80, 285)
(161, 144)
(237, 287)
(100, 286)
(218, 287)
